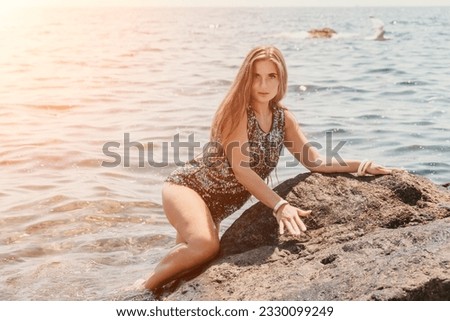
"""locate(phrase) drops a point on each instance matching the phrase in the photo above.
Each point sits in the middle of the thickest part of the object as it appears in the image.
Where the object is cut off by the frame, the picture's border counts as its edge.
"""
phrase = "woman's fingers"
(376, 169)
(291, 221)
(288, 226)
(300, 223)
(303, 213)
(292, 227)
(385, 171)
(281, 227)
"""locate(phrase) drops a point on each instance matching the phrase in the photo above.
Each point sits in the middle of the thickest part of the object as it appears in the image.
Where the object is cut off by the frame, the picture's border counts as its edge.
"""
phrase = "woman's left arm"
(297, 143)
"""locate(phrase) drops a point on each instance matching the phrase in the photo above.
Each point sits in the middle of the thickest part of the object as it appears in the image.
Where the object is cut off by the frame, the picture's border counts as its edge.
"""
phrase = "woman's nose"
(262, 83)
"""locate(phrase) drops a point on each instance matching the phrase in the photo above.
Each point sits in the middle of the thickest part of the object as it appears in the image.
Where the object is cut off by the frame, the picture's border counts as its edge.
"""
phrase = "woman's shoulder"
(283, 109)
(289, 118)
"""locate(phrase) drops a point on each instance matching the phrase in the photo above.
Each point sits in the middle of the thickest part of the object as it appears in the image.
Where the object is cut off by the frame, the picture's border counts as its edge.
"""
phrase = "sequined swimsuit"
(212, 177)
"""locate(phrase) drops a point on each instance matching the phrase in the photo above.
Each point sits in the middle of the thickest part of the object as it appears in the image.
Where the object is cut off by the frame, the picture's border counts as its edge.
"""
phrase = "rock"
(322, 33)
(369, 238)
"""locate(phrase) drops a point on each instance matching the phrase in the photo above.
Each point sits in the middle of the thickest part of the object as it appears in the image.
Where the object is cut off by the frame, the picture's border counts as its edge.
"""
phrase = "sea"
(99, 105)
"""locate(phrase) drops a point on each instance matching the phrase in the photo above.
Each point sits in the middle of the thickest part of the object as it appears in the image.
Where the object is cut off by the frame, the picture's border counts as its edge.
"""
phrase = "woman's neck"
(261, 109)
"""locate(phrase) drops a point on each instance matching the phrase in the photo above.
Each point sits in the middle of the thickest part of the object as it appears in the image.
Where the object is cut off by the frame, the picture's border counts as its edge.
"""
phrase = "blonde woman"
(248, 132)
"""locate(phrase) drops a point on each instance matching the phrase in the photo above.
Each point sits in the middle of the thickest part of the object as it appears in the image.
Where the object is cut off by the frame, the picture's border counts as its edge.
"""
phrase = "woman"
(248, 132)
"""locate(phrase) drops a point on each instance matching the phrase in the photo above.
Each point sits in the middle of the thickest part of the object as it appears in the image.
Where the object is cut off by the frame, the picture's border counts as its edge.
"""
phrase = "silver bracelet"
(278, 205)
(363, 166)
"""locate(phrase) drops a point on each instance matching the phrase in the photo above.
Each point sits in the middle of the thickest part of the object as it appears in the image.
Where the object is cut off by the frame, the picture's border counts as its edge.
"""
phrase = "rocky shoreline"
(369, 238)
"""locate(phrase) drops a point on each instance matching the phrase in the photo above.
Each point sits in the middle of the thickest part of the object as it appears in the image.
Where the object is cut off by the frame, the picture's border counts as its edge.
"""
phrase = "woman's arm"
(296, 142)
(239, 160)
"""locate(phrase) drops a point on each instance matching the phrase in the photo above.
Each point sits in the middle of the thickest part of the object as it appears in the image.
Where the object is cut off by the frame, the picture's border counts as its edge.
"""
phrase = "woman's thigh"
(188, 213)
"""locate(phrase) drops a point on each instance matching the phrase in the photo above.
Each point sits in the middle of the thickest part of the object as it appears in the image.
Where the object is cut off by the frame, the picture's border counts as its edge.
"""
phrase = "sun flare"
(17, 4)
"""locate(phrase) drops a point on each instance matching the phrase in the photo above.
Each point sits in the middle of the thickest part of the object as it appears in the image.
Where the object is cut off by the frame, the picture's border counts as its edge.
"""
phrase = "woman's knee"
(205, 247)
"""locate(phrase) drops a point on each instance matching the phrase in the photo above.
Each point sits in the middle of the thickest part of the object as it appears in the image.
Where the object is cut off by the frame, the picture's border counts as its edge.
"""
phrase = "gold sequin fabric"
(212, 177)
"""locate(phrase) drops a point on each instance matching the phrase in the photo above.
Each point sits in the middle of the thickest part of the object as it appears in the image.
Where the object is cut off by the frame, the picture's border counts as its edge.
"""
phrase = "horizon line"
(225, 6)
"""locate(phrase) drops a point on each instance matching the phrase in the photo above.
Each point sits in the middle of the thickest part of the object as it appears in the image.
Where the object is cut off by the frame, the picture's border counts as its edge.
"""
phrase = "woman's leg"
(197, 237)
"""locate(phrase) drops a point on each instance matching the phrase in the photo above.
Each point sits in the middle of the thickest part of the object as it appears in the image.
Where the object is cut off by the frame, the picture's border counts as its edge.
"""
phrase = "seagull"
(378, 25)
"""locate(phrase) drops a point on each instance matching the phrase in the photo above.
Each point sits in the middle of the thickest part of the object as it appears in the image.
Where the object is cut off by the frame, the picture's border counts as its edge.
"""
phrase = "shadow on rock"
(369, 238)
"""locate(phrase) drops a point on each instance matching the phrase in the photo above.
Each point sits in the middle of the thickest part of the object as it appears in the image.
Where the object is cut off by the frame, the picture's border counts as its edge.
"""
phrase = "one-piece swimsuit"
(212, 177)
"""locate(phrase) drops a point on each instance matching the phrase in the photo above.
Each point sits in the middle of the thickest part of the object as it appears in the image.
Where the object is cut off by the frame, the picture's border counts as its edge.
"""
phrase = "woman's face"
(265, 82)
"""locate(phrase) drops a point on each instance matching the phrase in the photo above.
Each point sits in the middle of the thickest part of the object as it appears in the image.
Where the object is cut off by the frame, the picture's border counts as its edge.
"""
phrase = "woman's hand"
(375, 169)
(289, 217)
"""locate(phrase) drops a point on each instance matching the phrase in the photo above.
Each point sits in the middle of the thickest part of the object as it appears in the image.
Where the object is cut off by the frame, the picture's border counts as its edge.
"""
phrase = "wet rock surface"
(369, 238)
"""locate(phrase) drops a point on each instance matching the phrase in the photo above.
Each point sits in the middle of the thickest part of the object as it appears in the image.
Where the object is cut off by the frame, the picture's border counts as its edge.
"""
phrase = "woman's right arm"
(237, 153)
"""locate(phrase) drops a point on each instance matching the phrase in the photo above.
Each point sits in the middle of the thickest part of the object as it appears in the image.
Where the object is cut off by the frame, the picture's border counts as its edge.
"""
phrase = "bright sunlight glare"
(16, 4)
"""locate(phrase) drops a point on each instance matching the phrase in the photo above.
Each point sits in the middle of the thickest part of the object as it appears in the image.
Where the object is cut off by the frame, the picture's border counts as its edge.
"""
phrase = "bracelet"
(360, 167)
(363, 166)
(278, 205)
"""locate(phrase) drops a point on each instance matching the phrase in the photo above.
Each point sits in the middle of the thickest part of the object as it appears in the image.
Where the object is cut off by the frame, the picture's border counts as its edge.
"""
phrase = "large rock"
(369, 238)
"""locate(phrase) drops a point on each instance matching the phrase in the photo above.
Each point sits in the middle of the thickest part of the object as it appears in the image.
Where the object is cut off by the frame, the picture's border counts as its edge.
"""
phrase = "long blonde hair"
(234, 105)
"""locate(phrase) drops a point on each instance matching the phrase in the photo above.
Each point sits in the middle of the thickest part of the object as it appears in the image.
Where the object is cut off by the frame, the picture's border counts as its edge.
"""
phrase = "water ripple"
(75, 79)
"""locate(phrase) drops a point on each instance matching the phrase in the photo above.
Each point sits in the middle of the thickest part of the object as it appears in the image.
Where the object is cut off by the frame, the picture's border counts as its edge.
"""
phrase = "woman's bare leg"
(197, 237)
(179, 239)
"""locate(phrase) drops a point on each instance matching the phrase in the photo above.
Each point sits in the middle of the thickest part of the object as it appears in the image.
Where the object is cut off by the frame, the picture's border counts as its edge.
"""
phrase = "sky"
(223, 3)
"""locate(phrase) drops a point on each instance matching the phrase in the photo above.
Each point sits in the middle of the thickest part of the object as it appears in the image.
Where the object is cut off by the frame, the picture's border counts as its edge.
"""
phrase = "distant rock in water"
(369, 238)
(322, 33)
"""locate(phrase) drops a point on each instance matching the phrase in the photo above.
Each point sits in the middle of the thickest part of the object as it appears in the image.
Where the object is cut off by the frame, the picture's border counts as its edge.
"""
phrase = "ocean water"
(79, 83)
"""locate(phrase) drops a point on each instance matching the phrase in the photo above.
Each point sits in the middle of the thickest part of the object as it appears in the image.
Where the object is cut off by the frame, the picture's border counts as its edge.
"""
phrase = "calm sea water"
(73, 80)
